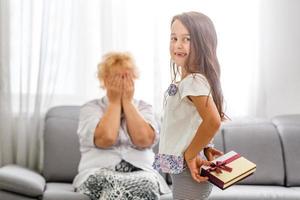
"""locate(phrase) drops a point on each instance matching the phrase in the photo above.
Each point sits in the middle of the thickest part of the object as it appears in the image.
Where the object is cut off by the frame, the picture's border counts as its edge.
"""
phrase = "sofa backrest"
(259, 141)
(61, 144)
(289, 129)
(275, 152)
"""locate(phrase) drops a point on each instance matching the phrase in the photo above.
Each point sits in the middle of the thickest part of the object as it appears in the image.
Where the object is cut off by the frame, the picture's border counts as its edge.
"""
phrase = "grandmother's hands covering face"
(120, 88)
(114, 87)
(128, 88)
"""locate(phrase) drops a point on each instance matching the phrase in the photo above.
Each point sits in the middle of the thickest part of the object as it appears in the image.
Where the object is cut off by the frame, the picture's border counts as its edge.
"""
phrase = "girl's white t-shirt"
(181, 118)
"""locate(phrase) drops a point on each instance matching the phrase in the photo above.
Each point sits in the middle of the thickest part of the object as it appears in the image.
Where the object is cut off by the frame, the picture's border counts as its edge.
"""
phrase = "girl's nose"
(178, 44)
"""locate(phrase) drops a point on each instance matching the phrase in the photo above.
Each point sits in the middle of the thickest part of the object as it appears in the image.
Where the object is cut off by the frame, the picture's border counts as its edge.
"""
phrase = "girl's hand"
(113, 86)
(194, 165)
(212, 153)
(128, 88)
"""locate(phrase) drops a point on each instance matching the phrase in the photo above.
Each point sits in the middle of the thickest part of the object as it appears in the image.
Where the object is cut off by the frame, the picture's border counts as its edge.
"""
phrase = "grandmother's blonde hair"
(114, 60)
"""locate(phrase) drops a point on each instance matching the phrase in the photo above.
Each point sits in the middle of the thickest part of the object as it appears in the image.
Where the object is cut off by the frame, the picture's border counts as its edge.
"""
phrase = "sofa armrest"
(20, 180)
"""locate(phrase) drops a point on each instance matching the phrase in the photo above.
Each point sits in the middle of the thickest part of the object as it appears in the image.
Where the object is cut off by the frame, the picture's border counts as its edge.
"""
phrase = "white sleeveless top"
(180, 123)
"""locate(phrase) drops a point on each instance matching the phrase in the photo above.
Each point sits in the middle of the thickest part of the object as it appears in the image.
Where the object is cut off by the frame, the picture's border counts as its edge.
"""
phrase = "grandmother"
(116, 134)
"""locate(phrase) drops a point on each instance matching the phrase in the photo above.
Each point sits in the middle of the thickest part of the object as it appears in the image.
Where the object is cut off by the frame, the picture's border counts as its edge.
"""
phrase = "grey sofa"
(271, 144)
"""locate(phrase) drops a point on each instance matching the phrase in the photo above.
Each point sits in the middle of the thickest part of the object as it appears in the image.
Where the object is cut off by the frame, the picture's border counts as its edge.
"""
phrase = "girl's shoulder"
(194, 76)
(194, 84)
(194, 79)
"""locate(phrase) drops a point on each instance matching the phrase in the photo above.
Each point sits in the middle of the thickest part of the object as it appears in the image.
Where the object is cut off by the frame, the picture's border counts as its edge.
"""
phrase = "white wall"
(279, 58)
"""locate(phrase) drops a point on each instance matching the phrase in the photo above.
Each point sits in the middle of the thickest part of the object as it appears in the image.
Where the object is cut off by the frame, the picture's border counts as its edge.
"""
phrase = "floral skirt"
(126, 182)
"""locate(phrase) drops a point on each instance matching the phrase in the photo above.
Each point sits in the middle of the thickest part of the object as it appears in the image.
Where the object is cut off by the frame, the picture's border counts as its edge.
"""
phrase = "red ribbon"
(219, 166)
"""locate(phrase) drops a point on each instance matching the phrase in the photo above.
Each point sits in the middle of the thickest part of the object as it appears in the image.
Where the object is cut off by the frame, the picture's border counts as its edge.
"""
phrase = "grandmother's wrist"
(127, 101)
(115, 104)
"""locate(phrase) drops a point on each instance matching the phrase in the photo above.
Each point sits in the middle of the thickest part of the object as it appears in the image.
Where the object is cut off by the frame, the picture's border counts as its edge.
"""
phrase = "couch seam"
(283, 154)
(223, 140)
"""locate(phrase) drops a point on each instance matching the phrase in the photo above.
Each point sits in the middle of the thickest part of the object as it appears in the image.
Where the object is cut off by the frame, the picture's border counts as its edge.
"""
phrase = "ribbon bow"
(219, 166)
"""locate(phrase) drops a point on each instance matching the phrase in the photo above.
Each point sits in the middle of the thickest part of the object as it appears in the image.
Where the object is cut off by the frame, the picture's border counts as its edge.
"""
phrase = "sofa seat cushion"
(254, 192)
(65, 191)
(4, 195)
(62, 191)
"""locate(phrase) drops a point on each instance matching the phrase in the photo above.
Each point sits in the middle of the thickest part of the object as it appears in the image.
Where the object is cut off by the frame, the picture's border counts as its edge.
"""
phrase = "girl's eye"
(173, 39)
(186, 39)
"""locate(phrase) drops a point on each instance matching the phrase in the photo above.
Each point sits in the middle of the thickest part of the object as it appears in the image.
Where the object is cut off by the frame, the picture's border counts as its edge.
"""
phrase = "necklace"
(172, 89)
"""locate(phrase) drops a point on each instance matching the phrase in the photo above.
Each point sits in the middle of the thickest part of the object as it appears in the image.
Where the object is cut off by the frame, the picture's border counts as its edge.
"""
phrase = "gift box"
(228, 169)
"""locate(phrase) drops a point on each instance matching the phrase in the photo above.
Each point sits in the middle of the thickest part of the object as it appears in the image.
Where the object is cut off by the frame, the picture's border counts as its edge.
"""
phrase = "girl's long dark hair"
(203, 56)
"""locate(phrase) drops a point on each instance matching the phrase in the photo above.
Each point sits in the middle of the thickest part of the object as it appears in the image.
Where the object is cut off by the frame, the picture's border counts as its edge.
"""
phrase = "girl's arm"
(211, 122)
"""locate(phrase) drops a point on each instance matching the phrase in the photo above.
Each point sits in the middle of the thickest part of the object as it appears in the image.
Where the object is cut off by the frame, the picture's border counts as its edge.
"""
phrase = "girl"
(193, 105)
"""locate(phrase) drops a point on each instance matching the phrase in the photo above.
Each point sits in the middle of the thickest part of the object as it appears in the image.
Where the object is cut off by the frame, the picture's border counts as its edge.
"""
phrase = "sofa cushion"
(65, 191)
(4, 195)
(258, 141)
(61, 144)
(286, 119)
(20, 180)
(290, 135)
(255, 192)
(289, 129)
